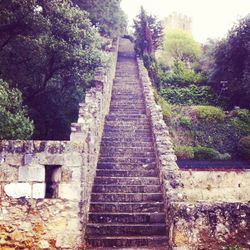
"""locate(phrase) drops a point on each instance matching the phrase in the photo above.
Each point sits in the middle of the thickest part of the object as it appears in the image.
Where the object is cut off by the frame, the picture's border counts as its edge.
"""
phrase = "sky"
(210, 18)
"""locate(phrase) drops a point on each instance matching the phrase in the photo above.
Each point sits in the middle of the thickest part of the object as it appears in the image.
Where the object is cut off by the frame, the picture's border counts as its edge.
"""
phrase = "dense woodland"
(204, 90)
(49, 51)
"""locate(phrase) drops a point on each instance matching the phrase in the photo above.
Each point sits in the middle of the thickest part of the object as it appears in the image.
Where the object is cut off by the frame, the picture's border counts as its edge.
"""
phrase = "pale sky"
(211, 18)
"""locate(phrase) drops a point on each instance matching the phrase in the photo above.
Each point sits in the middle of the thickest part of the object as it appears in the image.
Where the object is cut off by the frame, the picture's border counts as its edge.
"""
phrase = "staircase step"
(157, 242)
(134, 160)
(126, 197)
(126, 181)
(125, 144)
(127, 218)
(125, 230)
(126, 189)
(124, 173)
(106, 153)
(126, 207)
(127, 167)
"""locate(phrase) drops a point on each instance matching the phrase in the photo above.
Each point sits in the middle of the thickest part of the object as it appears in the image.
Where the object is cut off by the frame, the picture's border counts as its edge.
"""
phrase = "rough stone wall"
(204, 209)
(45, 186)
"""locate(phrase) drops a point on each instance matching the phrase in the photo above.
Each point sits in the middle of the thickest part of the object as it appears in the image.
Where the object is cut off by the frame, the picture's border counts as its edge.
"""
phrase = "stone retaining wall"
(45, 186)
(204, 209)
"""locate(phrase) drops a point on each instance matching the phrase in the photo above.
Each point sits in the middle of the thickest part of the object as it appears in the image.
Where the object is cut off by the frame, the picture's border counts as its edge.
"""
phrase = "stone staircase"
(126, 209)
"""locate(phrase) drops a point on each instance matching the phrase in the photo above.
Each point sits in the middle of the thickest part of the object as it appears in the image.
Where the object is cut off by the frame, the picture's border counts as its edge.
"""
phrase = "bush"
(14, 121)
(184, 152)
(192, 95)
(166, 109)
(204, 153)
(209, 113)
(244, 147)
(185, 121)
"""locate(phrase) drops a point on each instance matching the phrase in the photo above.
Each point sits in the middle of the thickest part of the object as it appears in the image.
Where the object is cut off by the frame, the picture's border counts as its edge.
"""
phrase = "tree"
(14, 123)
(178, 45)
(107, 15)
(148, 33)
(230, 75)
(49, 53)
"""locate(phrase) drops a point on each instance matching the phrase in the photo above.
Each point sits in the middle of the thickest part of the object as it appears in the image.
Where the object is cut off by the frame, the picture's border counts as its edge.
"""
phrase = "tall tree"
(231, 71)
(148, 33)
(107, 15)
(49, 53)
(178, 45)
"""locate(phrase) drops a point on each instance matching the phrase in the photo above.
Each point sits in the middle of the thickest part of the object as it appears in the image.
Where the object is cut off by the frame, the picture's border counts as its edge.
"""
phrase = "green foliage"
(166, 109)
(221, 135)
(209, 113)
(181, 75)
(185, 121)
(184, 152)
(178, 45)
(231, 69)
(192, 95)
(148, 33)
(244, 147)
(107, 15)
(14, 123)
(49, 52)
(205, 153)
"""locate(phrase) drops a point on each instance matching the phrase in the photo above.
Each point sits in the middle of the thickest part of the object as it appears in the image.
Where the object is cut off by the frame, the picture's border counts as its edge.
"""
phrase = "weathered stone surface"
(18, 190)
(38, 190)
(31, 173)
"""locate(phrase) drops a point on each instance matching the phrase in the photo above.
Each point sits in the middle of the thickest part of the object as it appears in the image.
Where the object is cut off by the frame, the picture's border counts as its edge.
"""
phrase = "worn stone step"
(126, 230)
(131, 140)
(142, 154)
(131, 242)
(126, 189)
(127, 112)
(124, 173)
(141, 117)
(126, 166)
(126, 197)
(128, 150)
(125, 127)
(127, 181)
(120, 160)
(125, 144)
(127, 218)
(126, 207)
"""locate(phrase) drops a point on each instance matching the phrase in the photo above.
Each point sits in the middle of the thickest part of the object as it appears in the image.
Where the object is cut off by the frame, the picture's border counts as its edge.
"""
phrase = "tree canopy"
(230, 74)
(178, 45)
(107, 15)
(14, 123)
(148, 33)
(49, 51)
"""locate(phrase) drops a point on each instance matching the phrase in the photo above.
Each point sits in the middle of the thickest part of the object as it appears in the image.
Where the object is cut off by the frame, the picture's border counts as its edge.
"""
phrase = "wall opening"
(52, 180)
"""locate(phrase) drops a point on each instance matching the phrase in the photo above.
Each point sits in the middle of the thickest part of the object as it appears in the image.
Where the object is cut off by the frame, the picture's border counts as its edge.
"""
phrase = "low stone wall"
(45, 186)
(204, 209)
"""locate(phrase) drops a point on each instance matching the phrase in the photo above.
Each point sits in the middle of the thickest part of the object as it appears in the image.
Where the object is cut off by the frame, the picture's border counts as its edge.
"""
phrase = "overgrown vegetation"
(49, 50)
(14, 122)
(201, 88)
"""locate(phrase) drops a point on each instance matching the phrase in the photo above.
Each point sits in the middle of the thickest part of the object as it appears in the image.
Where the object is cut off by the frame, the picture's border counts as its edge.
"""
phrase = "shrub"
(166, 109)
(192, 95)
(209, 113)
(185, 121)
(204, 153)
(244, 147)
(184, 152)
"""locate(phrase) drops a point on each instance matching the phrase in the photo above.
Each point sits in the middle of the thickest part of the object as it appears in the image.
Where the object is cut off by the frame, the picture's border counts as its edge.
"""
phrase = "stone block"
(69, 191)
(18, 190)
(38, 190)
(73, 159)
(27, 159)
(31, 173)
